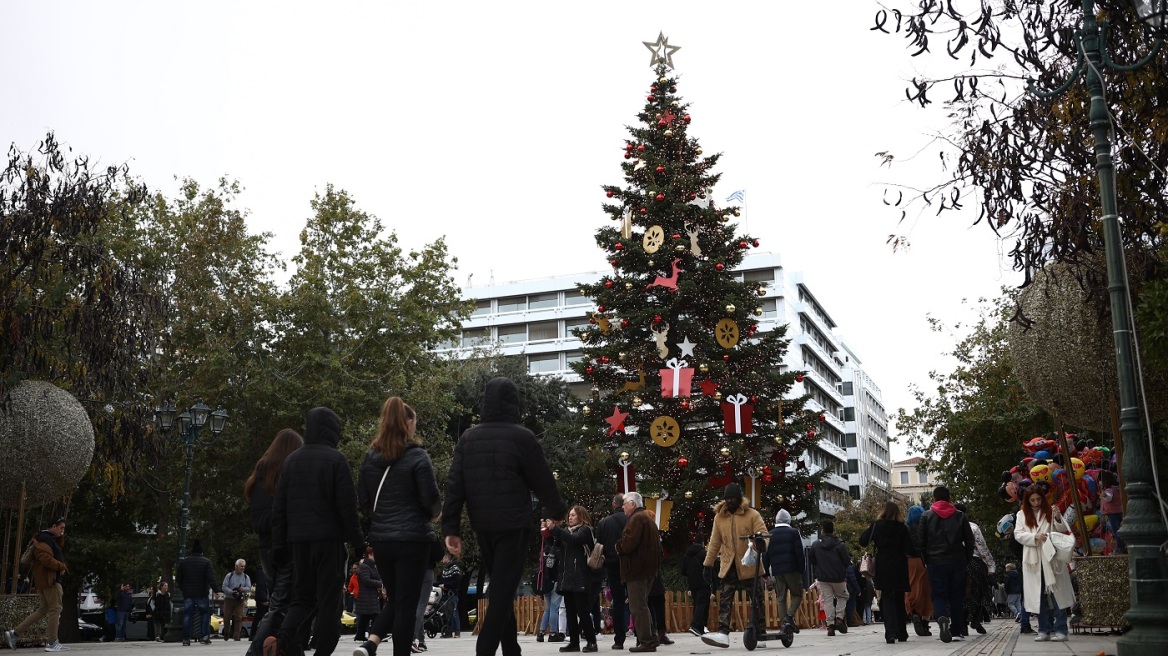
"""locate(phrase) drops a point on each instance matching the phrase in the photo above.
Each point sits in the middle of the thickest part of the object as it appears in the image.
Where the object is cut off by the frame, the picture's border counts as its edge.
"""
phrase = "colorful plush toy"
(1039, 444)
(1042, 473)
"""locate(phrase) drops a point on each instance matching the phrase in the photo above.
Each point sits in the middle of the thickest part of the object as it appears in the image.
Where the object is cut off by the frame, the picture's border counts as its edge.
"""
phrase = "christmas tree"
(687, 393)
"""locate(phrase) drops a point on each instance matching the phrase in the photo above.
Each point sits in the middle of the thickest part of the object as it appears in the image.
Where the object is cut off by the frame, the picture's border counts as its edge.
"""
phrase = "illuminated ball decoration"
(637, 401)
(704, 368)
(688, 494)
(725, 450)
(586, 410)
(47, 440)
(730, 308)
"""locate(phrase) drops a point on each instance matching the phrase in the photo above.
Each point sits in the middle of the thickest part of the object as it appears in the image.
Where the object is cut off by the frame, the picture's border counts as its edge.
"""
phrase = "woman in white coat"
(1046, 584)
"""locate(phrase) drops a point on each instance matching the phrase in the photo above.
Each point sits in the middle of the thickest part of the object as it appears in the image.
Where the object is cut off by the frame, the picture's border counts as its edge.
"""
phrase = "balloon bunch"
(1056, 474)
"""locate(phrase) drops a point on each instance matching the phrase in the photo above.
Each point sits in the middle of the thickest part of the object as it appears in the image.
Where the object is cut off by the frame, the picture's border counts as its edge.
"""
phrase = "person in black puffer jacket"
(313, 514)
(497, 465)
(195, 577)
(784, 561)
(575, 543)
(398, 489)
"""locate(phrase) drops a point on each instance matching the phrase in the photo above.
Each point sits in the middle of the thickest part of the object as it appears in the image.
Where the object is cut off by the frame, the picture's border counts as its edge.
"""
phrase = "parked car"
(89, 631)
(218, 625)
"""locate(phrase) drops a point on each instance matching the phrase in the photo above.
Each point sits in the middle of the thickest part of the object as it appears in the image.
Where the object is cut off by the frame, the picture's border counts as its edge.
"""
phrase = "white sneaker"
(1058, 637)
(761, 645)
(56, 646)
(1042, 637)
(716, 639)
(10, 638)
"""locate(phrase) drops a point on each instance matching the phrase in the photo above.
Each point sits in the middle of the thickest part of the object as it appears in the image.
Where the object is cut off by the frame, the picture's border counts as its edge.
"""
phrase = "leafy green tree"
(673, 300)
(973, 425)
(855, 517)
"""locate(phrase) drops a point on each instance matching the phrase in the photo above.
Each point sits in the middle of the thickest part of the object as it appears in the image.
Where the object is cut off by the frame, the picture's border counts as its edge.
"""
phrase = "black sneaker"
(943, 623)
(696, 632)
(366, 649)
(1027, 629)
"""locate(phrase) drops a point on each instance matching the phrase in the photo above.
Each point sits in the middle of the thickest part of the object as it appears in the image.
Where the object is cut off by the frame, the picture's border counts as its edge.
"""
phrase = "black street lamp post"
(191, 423)
(1143, 530)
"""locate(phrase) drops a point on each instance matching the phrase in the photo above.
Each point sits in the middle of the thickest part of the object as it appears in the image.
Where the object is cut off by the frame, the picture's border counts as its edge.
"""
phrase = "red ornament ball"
(661, 123)
(660, 169)
(672, 89)
(811, 433)
(653, 88)
(612, 262)
(726, 357)
(754, 399)
(628, 155)
(810, 487)
(822, 417)
(719, 266)
(644, 210)
(660, 197)
(766, 471)
(692, 196)
(624, 323)
(618, 246)
(676, 235)
(686, 118)
(782, 455)
(657, 318)
(608, 284)
(798, 378)
(609, 194)
(604, 359)
(742, 245)
(754, 243)
(701, 515)
(600, 309)
(651, 97)
(685, 405)
(641, 148)
(588, 370)
(683, 462)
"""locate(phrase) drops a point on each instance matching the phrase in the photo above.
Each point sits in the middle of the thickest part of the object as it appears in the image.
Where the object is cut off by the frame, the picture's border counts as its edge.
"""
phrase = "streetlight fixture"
(191, 423)
(1143, 530)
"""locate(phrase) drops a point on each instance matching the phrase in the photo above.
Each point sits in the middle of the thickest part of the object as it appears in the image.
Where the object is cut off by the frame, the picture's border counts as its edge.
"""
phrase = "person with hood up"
(48, 568)
(784, 561)
(732, 517)
(195, 578)
(830, 560)
(945, 541)
(497, 466)
(313, 514)
(398, 489)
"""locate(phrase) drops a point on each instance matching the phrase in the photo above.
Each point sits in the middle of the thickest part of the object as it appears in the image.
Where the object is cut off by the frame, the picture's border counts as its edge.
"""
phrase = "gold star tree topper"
(662, 51)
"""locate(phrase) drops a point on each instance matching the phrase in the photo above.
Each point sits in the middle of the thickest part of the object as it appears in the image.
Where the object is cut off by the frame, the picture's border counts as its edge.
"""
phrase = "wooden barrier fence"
(678, 611)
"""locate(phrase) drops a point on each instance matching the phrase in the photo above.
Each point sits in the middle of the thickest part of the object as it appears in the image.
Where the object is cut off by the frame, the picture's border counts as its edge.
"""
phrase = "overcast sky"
(495, 124)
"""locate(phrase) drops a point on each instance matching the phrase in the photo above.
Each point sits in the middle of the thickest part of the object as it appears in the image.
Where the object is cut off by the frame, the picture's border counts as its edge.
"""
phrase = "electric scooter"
(754, 634)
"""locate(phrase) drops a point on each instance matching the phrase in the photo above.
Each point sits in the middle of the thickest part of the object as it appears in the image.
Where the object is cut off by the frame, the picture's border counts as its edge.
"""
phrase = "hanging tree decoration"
(665, 431)
(660, 334)
(626, 478)
(693, 231)
(616, 421)
(676, 378)
(669, 283)
(686, 347)
(737, 413)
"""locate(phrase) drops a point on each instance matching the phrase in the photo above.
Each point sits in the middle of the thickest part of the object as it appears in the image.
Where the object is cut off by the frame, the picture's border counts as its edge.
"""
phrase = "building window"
(543, 363)
(572, 324)
(543, 330)
(846, 389)
(515, 334)
(850, 439)
(475, 336)
(573, 356)
(904, 478)
(853, 466)
(770, 308)
(481, 308)
(513, 304)
(540, 301)
(849, 414)
(576, 298)
(922, 477)
(759, 275)
(854, 490)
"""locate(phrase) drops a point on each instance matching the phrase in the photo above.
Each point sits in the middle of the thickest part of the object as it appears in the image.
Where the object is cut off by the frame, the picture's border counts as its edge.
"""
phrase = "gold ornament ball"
(697, 151)
(779, 440)
(624, 455)
(556, 474)
(669, 133)
(725, 450)
(717, 396)
(730, 308)
(704, 368)
(662, 80)
(586, 410)
(622, 356)
(650, 262)
(758, 312)
(673, 104)
(737, 212)
(637, 401)
(628, 285)
(762, 291)
(725, 218)
(679, 248)
(688, 494)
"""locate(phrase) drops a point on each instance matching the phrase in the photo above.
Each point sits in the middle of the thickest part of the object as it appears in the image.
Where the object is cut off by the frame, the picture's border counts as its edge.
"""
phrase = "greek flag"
(738, 196)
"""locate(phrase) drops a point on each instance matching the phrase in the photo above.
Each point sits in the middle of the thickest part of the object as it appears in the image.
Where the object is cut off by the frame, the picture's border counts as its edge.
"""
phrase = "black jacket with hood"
(409, 497)
(316, 500)
(829, 559)
(497, 465)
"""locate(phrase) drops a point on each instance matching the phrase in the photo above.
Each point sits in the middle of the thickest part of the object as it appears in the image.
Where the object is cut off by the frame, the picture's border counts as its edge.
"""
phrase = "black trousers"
(401, 566)
(701, 605)
(501, 552)
(894, 614)
(318, 584)
(619, 609)
(580, 617)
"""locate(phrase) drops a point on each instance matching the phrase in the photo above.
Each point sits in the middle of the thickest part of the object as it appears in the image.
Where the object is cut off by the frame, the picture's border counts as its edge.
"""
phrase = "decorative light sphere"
(726, 357)
(628, 285)
(719, 266)
(586, 410)
(724, 450)
(637, 401)
(761, 291)
(688, 494)
(47, 441)
(682, 462)
(717, 396)
(609, 194)
(669, 133)
(618, 246)
(697, 151)
(737, 212)
(758, 312)
(704, 368)
(679, 248)
(730, 308)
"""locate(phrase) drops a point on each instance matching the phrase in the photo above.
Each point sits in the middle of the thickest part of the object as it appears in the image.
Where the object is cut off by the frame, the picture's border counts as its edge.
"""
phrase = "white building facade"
(535, 318)
(865, 430)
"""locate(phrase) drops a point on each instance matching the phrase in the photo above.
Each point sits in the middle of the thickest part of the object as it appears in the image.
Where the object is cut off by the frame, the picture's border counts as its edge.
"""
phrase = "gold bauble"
(779, 440)
(725, 450)
(628, 285)
(737, 212)
(697, 151)
(624, 455)
(662, 80)
(650, 262)
(704, 368)
(717, 396)
(688, 494)
(586, 410)
(680, 249)
(725, 218)
(637, 401)
(758, 312)
(622, 356)
(730, 308)
(673, 104)
(762, 291)
(556, 474)
(669, 133)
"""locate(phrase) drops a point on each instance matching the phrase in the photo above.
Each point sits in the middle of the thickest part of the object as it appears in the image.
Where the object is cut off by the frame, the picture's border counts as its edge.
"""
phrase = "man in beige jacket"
(48, 567)
(733, 517)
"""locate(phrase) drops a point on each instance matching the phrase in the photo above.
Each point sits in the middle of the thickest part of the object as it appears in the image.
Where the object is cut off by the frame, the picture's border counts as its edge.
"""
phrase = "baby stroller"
(438, 610)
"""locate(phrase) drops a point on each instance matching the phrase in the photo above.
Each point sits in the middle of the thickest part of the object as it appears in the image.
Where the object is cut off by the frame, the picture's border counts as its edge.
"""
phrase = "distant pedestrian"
(733, 518)
(195, 578)
(575, 544)
(699, 587)
(450, 581)
(785, 563)
(893, 544)
(918, 603)
(162, 611)
(640, 551)
(368, 604)
(609, 531)
(497, 466)
(236, 590)
(124, 603)
(547, 575)
(48, 571)
(829, 559)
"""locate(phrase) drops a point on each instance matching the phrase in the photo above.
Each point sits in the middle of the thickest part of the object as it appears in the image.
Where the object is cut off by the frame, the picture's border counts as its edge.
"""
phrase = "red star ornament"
(668, 117)
(616, 421)
(708, 387)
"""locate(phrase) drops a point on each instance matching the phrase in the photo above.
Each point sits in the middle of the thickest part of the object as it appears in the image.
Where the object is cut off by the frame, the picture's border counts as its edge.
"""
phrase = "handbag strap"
(377, 496)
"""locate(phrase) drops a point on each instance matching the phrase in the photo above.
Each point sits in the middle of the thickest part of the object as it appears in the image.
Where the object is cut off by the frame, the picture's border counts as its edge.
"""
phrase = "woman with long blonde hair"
(398, 490)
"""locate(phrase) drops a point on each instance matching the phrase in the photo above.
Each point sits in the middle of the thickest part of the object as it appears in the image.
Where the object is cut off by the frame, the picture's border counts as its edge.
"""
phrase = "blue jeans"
(551, 612)
(1051, 619)
(123, 616)
(190, 607)
(948, 583)
(1113, 522)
